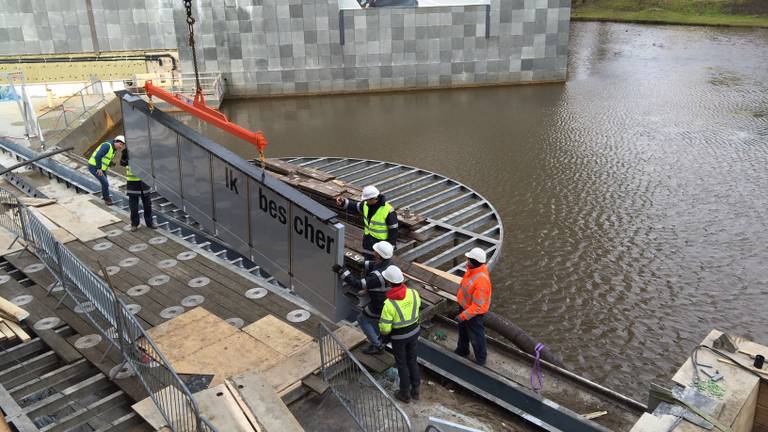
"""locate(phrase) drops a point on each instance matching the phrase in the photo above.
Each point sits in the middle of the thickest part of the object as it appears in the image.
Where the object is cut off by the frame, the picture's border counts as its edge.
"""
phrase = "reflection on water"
(633, 196)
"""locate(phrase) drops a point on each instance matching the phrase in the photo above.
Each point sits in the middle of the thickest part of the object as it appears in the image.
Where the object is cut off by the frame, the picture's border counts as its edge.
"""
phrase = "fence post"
(62, 275)
(121, 342)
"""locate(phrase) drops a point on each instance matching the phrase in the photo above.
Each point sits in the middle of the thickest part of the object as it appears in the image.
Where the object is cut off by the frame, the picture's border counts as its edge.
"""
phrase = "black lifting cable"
(191, 23)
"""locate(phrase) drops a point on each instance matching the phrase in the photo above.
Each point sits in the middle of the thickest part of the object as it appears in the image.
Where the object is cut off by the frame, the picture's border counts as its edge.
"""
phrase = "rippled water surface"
(634, 197)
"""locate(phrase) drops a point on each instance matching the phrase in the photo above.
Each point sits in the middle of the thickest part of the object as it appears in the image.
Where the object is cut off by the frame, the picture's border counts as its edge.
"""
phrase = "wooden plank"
(3, 424)
(278, 335)
(739, 384)
(12, 311)
(745, 420)
(189, 333)
(8, 334)
(283, 167)
(9, 243)
(445, 275)
(83, 207)
(59, 345)
(265, 404)
(219, 406)
(594, 415)
(307, 360)
(243, 406)
(59, 233)
(18, 331)
(36, 202)
(316, 383)
(61, 216)
(230, 356)
(147, 409)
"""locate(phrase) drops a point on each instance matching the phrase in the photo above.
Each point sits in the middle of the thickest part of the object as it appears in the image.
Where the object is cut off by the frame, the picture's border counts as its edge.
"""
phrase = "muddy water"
(634, 196)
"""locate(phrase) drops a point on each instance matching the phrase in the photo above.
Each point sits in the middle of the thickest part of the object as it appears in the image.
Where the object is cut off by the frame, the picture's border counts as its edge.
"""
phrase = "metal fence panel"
(365, 400)
(98, 304)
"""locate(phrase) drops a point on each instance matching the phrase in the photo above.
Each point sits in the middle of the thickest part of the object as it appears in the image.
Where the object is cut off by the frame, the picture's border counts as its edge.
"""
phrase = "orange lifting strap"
(199, 109)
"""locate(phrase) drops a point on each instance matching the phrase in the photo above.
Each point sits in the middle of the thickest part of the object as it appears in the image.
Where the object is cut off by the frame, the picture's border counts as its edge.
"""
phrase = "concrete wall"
(274, 47)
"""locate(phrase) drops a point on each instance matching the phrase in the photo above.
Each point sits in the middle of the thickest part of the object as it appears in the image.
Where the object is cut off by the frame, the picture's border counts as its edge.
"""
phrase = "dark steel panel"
(270, 214)
(230, 193)
(136, 126)
(504, 392)
(291, 236)
(196, 183)
(165, 161)
(314, 252)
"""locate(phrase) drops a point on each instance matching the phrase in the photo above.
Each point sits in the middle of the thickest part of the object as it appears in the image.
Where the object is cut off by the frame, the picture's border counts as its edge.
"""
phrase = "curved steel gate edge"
(109, 316)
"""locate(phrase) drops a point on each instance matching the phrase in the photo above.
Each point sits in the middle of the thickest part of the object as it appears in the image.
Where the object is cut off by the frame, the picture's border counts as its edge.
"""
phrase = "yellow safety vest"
(129, 174)
(377, 226)
(106, 160)
(401, 313)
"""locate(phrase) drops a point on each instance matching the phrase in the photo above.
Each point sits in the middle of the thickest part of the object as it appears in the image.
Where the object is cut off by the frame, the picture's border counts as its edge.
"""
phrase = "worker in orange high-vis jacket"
(474, 297)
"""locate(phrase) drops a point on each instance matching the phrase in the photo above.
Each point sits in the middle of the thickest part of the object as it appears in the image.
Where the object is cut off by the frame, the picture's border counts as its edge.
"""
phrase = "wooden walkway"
(53, 378)
(150, 260)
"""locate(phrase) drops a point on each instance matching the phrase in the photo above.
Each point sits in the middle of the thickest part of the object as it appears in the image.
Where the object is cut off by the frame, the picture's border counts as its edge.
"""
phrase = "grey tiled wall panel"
(274, 47)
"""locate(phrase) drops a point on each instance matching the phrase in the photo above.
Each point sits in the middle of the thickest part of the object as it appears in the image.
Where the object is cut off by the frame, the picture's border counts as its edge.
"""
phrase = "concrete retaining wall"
(277, 47)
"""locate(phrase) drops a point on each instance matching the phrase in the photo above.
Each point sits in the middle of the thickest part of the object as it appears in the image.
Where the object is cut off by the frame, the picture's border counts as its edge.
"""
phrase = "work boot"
(461, 354)
(109, 202)
(152, 226)
(134, 228)
(415, 394)
(402, 397)
(374, 349)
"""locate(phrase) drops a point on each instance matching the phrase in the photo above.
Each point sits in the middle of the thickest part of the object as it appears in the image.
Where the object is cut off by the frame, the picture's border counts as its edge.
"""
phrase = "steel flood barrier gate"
(109, 316)
(362, 396)
(295, 239)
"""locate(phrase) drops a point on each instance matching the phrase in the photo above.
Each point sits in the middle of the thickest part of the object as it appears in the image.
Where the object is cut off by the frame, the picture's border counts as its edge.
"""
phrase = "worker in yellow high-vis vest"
(136, 188)
(379, 218)
(399, 323)
(100, 161)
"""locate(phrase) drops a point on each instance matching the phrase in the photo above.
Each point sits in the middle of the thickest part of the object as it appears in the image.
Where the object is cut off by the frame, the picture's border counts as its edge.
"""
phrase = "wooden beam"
(11, 310)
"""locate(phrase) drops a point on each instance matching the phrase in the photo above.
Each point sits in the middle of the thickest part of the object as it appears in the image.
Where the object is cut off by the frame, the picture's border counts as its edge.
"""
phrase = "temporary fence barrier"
(365, 400)
(98, 303)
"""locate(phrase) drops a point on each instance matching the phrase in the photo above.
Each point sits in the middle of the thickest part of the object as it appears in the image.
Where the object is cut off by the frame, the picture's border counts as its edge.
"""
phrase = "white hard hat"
(384, 249)
(120, 138)
(393, 275)
(476, 254)
(370, 192)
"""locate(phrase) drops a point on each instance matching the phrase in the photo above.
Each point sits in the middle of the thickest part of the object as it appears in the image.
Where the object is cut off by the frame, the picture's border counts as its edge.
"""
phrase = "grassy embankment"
(742, 13)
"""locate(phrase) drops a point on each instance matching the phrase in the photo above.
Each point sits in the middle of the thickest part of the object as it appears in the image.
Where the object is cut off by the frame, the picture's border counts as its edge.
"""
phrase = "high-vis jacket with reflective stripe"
(474, 295)
(401, 317)
(129, 174)
(107, 153)
(376, 226)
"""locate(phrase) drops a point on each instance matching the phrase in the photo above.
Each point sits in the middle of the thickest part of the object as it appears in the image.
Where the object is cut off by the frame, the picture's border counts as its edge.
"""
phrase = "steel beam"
(503, 392)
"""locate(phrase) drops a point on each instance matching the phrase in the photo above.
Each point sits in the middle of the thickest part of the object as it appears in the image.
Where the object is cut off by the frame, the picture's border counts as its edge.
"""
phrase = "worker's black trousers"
(146, 202)
(407, 366)
(472, 330)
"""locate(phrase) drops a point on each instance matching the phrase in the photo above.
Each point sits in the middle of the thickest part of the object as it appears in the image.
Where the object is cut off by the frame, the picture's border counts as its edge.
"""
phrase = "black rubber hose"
(519, 337)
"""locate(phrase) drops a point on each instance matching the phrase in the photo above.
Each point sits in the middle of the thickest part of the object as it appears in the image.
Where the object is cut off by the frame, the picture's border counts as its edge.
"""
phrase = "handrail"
(67, 106)
(346, 378)
(110, 317)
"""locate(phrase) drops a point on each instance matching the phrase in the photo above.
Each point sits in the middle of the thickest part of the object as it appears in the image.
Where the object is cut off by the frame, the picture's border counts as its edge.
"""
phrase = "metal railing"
(10, 214)
(365, 400)
(212, 84)
(61, 117)
(104, 310)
